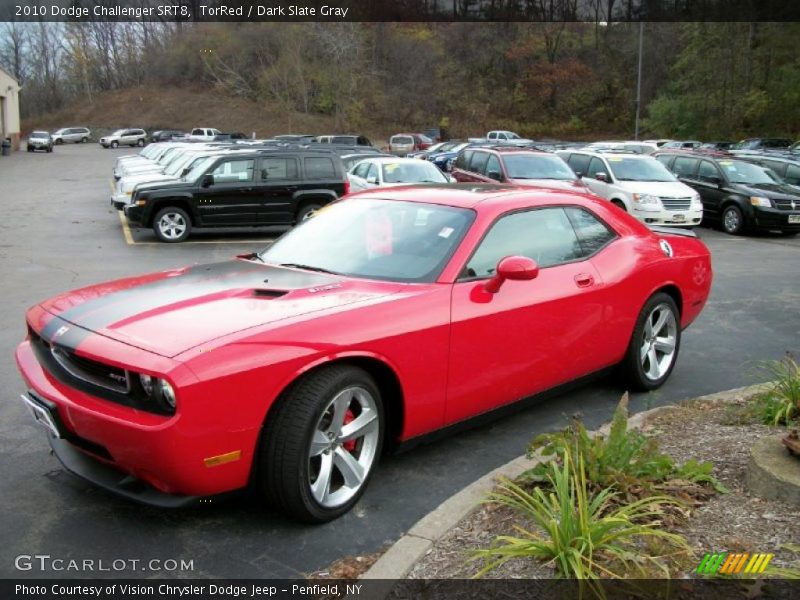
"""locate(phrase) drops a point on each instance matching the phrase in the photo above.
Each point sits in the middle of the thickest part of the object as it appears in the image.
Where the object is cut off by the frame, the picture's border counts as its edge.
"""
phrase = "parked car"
(506, 137)
(633, 147)
(203, 134)
(269, 187)
(352, 159)
(124, 137)
(738, 195)
(716, 146)
(401, 144)
(445, 155)
(230, 137)
(295, 137)
(658, 142)
(377, 322)
(681, 145)
(345, 140)
(76, 135)
(763, 144)
(515, 166)
(40, 140)
(434, 133)
(788, 169)
(165, 135)
(640, 185)
(391, 171)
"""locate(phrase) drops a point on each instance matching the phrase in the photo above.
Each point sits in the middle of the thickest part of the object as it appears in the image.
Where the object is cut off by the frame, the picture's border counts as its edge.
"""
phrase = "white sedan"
(388, 171)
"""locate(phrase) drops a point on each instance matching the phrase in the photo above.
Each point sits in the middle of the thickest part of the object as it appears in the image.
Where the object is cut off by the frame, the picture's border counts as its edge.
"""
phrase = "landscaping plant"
(780, 404)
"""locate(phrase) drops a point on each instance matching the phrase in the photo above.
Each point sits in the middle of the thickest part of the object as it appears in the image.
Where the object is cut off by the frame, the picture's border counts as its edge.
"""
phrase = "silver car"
(124, 137)
(76, 135)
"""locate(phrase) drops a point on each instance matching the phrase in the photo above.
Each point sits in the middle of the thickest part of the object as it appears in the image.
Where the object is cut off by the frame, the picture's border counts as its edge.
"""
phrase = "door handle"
(584, 280)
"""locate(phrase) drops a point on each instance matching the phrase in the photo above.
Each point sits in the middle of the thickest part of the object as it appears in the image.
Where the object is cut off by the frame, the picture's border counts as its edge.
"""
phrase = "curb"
(401, 557)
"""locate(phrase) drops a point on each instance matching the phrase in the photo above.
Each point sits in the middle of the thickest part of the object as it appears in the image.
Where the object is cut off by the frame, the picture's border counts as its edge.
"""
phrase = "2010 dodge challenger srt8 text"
(389, 315)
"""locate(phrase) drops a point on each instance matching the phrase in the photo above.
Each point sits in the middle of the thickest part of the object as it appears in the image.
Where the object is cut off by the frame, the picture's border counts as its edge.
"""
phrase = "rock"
(773, 473)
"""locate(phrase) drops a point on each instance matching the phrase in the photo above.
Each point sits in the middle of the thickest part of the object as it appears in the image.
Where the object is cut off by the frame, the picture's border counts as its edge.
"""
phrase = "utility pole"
(639, 82)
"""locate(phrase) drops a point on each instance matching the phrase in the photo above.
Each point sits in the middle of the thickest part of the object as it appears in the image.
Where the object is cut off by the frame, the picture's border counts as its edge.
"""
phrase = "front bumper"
(134, 213)
(669, 218)
(772, 218)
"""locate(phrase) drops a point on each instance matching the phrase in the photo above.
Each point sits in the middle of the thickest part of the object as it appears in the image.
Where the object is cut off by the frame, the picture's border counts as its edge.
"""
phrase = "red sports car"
(390, 315)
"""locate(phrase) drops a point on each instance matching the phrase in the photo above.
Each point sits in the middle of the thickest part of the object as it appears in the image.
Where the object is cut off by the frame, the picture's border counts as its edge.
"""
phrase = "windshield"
(743, 172)
(512, 136)
(416, 171)
(639, 169)
(198, 169)
(177, 165)
(119, 132)
(40, 134)
(375, 239)
(531, 166)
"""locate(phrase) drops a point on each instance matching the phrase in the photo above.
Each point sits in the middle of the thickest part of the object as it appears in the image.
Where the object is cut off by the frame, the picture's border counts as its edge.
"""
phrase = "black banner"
(399, 10)
(416, 589)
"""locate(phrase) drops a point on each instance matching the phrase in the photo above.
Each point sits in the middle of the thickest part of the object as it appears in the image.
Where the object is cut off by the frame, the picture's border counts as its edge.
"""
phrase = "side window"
(792, 175)
(685, 167)
(502, 136)
(492, 135)
(664, 159)
(493, 165)
(592, 232)
(278, 168)
(463, 159)
(545, 235)
(579, 163)
(319, 168)
(776, 166)
(197, 132)
(597, 166)
(361, 169)
(372, 171)
(478, 162)
(707, 171)
(233, 171)
(362, 141)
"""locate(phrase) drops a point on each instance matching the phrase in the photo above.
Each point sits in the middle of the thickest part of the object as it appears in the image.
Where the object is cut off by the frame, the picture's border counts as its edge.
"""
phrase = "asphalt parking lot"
(58, 231)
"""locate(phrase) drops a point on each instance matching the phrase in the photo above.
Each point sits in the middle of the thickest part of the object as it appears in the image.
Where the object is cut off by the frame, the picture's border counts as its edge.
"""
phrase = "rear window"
(344, 139)
(319, 168)
(198, 132)
(402, 139)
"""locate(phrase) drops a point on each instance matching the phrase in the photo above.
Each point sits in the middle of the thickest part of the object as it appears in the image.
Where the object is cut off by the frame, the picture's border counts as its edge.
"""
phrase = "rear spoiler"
(673, 231)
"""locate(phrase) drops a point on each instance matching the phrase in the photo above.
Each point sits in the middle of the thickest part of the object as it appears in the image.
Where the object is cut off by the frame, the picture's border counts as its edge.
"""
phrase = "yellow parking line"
(126, 230)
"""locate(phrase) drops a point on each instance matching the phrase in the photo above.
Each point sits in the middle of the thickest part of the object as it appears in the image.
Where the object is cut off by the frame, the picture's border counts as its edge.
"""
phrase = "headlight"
(760, 201)
(697, 203)
(158, 391)
(646, 199)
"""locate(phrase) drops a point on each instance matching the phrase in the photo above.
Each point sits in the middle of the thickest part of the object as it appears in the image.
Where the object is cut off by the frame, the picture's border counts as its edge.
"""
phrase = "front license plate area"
(43, 414)
(678, 218)
(794, 219)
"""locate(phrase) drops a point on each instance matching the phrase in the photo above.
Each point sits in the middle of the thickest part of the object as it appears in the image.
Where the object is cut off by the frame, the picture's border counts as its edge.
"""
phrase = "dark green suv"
(267, 187)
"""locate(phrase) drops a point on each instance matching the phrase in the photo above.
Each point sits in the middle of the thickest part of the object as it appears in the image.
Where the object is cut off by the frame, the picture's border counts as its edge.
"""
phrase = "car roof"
(609, 153)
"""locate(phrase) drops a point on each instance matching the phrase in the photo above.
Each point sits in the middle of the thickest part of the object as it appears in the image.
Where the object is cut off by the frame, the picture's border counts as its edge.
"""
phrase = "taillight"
(346, 187)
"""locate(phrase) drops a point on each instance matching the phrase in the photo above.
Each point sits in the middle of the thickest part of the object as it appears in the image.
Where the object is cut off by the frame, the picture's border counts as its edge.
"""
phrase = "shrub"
(780, 404)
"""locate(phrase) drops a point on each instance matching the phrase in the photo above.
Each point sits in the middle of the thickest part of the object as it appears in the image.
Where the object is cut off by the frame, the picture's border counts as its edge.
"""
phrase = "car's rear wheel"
(172, 224)
(654, 345)
(322, 443)
(84, 140)
(307, 211)
(115, 144)
(732, 220)
(140, 143)
(59, 141)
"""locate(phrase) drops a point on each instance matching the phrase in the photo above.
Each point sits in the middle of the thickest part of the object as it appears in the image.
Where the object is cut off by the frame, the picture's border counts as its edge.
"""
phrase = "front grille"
(786, 204)
(90, 371)
(676, 203)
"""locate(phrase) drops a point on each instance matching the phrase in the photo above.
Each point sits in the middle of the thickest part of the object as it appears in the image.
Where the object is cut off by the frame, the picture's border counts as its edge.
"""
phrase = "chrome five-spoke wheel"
(172, 224)
(659, 341)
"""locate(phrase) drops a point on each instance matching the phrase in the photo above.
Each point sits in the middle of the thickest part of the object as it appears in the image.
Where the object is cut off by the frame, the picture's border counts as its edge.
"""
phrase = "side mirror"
(495, 175)
(579, 174)
(600, 176)
(207, 181)
(372, 179)
(515, 268)
(449, 166)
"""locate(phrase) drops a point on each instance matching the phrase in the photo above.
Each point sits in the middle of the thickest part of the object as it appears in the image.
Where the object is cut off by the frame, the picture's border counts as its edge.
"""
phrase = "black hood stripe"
(198, 281)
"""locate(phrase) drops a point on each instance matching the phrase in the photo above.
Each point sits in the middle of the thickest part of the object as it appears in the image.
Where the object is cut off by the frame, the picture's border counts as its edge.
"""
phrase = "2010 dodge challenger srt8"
(390, 315)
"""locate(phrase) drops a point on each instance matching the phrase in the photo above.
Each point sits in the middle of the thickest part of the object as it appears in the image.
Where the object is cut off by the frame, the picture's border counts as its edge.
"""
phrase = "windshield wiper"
(309, 268)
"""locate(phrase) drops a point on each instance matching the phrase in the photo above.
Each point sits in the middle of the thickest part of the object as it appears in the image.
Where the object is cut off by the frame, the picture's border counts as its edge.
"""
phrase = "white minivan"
(639, 185)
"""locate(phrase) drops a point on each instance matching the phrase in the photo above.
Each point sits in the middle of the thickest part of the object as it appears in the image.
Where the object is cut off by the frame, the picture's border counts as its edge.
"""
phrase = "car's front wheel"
(307, 211)
(322, 443)
(115, 144)
(732, 220)
(84, 140)
(140, 143)
(654, 345)
(59, 141)
(172, 224)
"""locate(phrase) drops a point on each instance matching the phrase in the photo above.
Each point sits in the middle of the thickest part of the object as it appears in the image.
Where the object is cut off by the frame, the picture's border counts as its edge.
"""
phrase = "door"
(601, 188)
(709, 183)
(358, 176)
(530, 335)
(277, 181)
(232, 198)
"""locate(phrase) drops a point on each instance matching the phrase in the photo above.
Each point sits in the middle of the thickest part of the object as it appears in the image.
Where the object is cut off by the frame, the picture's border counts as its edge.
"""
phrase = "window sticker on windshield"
(446, 232)
(614, 160)
(391, 168)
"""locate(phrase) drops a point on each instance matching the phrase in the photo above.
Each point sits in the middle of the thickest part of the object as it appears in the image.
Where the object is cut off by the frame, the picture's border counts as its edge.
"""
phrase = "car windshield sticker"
(378, 234)
(446, 232)
(391, 168)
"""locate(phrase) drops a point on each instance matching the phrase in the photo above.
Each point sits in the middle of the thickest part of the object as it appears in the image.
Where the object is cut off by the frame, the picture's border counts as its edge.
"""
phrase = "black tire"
(50, 149)
(633, 365)
(84, 140)
(114, 144)
(179, 218)
(140, 143)
(59, 141)
(307, 211)
(30, 149)
(732, 220)
(285, 464)
(619, 204)
(789, 233)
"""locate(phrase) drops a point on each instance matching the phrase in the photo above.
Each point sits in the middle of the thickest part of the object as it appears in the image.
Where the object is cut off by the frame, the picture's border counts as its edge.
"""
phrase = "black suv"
(737, 194)
(267, 187)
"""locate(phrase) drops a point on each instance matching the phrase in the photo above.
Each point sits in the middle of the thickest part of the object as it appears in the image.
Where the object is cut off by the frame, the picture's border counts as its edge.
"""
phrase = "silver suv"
(78, 135)
(124, 137)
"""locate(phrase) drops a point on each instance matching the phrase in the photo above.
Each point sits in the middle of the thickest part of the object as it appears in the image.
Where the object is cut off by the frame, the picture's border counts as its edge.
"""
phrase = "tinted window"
(537, 166)
(592, 232)
(278, 168)
(664, 159)
(478, 162)
(684, 167)
(579, 163)
(319, 168)
(233, 170)
(776, 166)
(792, 174)
(493, 165)
(545, 235)
(463, 159)
(707, 171)
(343, 139)
(597, 166)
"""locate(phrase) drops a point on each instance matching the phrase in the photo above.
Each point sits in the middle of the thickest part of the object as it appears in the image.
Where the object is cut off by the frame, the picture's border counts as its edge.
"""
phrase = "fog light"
(167, 393)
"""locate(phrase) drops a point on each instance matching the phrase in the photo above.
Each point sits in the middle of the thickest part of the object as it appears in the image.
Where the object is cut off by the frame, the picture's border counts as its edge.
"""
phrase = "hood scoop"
(266, 293)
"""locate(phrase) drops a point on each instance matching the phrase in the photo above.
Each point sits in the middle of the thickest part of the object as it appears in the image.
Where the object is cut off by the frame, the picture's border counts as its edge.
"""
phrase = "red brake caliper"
(349, 417)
